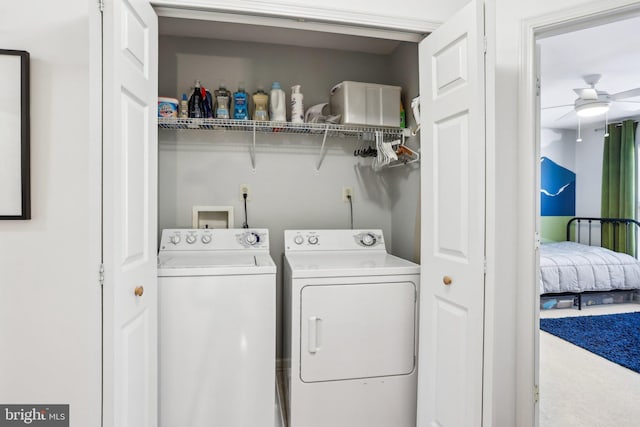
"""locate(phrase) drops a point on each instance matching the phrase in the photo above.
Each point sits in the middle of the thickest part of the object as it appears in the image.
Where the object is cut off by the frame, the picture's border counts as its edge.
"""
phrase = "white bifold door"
(130, 75)
(452, 95)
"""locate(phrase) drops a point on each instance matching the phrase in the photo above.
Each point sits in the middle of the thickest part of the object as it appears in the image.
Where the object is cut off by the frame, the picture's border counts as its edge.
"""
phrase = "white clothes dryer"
(350, 338)
(216, 328)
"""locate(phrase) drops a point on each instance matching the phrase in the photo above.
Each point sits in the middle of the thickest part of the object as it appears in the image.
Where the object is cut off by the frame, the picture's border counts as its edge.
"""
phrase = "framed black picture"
(15, 198)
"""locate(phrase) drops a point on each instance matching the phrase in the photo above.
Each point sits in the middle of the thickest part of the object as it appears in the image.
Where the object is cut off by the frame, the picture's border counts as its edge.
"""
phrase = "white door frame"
(275, 13)
(527, 304)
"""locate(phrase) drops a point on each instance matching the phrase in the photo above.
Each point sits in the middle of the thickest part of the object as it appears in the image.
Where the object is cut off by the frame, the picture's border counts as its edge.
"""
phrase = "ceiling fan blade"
(587, 93)
(565, 115)
(556, 106)
(626, 94)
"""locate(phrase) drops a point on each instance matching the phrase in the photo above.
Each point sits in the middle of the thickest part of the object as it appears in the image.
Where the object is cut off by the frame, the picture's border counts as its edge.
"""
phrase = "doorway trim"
(527, 308)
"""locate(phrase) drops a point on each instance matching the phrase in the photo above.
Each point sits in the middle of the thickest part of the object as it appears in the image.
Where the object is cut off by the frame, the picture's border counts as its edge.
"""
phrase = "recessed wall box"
(212, 217)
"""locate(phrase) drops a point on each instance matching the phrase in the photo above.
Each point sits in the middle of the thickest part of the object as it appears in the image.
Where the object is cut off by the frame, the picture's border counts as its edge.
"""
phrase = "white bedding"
(573, 267)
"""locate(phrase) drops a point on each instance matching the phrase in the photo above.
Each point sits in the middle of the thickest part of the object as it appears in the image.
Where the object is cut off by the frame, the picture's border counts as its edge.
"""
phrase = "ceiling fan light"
(592, 109)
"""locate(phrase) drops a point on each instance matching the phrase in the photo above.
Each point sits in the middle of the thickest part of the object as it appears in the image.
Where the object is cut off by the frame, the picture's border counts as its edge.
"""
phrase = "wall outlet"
(347, 191)
(245, 189)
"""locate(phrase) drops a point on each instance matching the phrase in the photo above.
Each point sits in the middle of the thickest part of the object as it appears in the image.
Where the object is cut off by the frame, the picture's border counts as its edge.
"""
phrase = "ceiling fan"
(593, 102)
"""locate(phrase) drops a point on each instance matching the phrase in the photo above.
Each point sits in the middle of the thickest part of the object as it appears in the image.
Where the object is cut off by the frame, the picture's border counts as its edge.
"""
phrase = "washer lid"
(217, 263)
(347, 263)
(205, 260)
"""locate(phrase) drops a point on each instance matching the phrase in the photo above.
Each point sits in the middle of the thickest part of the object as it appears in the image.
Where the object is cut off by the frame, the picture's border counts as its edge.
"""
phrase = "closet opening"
(297, 177)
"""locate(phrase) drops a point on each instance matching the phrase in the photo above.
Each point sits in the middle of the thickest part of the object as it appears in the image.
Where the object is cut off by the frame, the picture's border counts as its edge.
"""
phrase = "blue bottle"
(240, 104)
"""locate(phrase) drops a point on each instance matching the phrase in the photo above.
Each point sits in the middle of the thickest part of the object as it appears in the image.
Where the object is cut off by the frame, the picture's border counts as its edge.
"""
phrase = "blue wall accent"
(558, 189)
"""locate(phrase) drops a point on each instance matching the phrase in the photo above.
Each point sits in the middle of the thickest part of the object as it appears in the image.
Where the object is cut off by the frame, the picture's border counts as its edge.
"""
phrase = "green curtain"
(619, 185)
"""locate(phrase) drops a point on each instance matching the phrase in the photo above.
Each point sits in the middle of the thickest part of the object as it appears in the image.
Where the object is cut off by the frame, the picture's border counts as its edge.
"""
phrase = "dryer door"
(363, 330)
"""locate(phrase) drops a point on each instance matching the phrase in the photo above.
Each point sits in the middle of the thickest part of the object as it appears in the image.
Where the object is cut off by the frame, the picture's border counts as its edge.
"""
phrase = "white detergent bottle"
(297, 107)
(277, 106)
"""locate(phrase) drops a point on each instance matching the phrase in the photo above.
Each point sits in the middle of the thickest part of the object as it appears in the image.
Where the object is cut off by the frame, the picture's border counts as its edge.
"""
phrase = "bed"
(580, 266)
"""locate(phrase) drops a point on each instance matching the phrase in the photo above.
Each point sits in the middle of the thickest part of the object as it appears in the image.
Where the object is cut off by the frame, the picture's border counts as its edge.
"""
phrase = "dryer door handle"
(314, 334)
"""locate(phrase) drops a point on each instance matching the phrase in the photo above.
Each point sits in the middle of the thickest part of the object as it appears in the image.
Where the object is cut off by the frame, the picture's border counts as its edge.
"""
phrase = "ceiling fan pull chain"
(579, 139)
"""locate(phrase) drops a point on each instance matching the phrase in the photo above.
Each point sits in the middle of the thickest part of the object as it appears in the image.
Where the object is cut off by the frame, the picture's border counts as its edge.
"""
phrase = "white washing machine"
(216, 327)
(350, 338)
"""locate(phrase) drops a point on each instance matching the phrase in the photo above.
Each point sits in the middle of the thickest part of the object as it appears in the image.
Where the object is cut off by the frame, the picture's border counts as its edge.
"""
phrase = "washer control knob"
(175, 239)
(313, 240)
(298, 240)
(252, 238)
(206, 239)
(191, 239)
(368, 239)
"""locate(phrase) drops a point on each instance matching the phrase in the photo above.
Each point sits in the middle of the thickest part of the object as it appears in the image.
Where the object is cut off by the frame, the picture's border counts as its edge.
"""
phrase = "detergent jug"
(260, 101)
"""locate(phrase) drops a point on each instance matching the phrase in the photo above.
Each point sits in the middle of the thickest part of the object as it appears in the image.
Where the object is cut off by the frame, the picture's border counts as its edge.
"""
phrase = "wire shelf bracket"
(327, 130)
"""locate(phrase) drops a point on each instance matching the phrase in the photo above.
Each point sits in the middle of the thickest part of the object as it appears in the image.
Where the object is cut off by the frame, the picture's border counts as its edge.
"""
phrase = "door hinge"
(538, 86)
(536, 393)
(101, 275)
(536, 242)
(101, 5)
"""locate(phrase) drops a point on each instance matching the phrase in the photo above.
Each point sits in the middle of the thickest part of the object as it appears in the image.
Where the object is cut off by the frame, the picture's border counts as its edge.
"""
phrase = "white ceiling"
(612, 50)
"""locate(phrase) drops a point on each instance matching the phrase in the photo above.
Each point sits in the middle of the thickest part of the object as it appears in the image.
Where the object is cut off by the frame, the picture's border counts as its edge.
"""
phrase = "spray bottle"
(297, 107)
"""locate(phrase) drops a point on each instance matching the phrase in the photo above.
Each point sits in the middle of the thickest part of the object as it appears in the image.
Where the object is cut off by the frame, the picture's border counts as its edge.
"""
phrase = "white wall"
(589, 171)
(49, 294)
(559, 145)
(55, 301)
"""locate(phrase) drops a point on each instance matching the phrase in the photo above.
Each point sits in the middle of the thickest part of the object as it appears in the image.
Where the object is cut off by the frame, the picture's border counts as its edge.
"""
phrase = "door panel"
(129, 210)
(451, 187)
(453, 205)
(135, 118)
(357, 331)
(450, 67)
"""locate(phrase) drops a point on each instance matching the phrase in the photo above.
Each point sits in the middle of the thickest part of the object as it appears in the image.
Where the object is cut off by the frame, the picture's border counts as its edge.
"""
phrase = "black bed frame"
(631, 227)
(577, 224)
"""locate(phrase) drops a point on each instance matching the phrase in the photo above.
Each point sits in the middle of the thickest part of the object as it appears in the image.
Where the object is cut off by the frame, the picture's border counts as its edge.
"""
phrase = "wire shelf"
(328, 129)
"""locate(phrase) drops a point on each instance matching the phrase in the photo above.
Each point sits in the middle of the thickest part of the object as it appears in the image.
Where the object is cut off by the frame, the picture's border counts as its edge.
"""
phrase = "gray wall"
(405, 210)
(207, 168)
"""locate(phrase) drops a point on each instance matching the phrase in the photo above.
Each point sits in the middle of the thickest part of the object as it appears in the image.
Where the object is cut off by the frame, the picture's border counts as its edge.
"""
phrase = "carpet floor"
(615, 337)
(581, 389)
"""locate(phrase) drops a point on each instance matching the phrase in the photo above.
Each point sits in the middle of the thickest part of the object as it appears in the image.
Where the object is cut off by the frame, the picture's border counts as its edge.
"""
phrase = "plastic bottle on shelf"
(221, 108)
(196, 103)
(260, 102)
(277, 108)
(297, 107)
(240, 103)
(184, 107)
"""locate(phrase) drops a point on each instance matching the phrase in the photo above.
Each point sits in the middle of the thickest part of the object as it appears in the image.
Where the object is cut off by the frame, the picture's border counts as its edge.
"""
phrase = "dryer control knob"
(252, 238)
(206, 239)
(313, 240)
(368, 239)
(175, 239)
(298, 240)
(191, 239)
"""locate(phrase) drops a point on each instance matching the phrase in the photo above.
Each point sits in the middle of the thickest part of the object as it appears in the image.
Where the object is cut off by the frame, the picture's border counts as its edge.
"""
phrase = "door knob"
(447, 280)
(139, 291)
